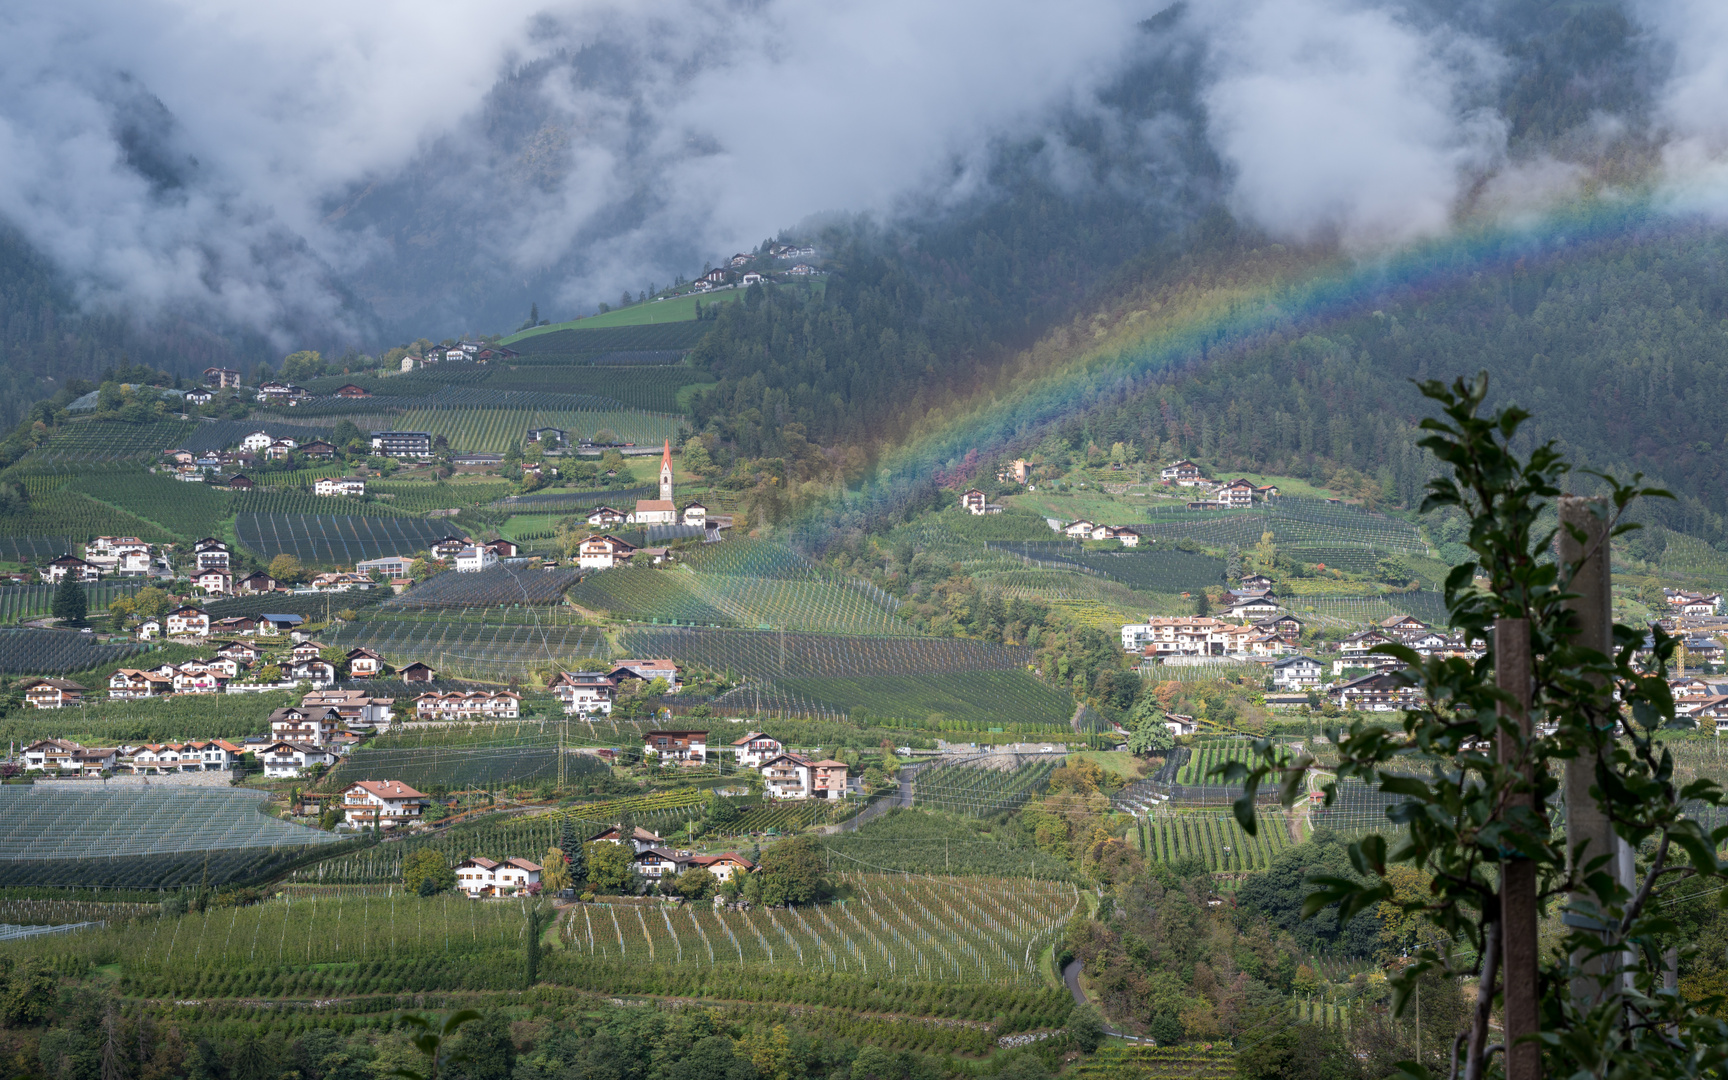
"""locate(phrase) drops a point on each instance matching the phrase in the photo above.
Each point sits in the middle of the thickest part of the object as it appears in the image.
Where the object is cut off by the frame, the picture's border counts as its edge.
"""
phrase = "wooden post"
(1518, 914)
(1586, 824)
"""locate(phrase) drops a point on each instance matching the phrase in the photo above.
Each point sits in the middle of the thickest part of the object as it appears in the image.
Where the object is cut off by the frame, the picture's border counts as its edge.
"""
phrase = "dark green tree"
(574, 855)
(70, 603)
(485, 1052)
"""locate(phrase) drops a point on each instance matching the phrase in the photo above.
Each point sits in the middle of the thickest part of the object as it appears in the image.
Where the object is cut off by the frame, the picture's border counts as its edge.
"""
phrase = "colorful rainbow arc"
(1231, 321)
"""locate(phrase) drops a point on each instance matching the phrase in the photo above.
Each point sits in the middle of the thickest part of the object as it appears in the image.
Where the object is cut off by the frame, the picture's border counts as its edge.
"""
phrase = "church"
(661, 511)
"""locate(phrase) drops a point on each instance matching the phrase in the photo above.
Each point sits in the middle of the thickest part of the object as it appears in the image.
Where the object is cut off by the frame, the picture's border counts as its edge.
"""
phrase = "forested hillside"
(1616, 352)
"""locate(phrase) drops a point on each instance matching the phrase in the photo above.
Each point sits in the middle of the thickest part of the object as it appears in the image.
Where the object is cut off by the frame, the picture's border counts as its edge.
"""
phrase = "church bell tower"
(666, 473)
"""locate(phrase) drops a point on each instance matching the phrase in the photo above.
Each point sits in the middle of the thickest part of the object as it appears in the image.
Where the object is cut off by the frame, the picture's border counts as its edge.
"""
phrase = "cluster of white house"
(1225, 494)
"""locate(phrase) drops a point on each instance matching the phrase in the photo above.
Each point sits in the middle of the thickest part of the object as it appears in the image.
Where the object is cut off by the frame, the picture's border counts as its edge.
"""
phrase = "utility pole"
(1518, 915)
(1587, 826)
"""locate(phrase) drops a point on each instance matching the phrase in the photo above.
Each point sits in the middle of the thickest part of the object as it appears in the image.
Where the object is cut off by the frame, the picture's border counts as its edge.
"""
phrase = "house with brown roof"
(382, 803)
(640, 839)
(724, 866)
(53, 693)
(755, 748)
(689, 747)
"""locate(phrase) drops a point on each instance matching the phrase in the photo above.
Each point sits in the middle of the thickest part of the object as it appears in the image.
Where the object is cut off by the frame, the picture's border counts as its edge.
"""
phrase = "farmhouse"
(188, 622)
(273, 623)
(349, 390)
(212, 582)
(289, 759)
(299, 723)
(472, 560)
(449, 547)
(351, 486)
(363, 663)
(789, 776)
(53, 693)
(221, 376)
(723, 866)
(585, 692)
(640, 839)
(1183, 473)
(69, 566)
(133, 683)
(1296, 673)
(648, 671)
(603, 552)
(210, 554)
(605, 517)
(382, 803)
(976, 502)
(480, 876)
(680, 746)
(1380, 691)
(755, 748)
(695, 514)
(659, 862)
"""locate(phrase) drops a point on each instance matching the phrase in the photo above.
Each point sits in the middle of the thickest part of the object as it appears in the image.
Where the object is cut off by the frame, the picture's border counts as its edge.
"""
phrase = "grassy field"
(682, 309)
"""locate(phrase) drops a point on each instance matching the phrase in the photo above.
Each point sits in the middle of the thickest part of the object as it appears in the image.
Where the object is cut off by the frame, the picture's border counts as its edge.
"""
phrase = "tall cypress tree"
(575, 857)
(70, 603)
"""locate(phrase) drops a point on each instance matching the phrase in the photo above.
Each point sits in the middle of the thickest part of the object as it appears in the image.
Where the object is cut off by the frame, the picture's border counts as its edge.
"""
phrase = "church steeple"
(666, 473)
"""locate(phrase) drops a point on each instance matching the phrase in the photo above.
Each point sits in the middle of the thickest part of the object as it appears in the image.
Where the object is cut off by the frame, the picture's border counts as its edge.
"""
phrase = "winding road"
(1071, 976)
(901, 799)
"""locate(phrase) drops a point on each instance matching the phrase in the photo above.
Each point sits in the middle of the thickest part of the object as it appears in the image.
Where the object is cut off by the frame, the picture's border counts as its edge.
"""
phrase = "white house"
(1184, 473)
(188, 622)
(382, 803)
(695, 514)
(313, 725)
(585, 693)
(210, 554)
(755, 748)
(603, 552)
(469, 704)
(288, 759)
(605, 517)
(1297, 673)
(1080, 530)
(69, 566)
(215, 582)
(258, 440)
(480, 876)
(352, 486)
(472, 560)
(723, 866)
(788, 776)
(640, 839)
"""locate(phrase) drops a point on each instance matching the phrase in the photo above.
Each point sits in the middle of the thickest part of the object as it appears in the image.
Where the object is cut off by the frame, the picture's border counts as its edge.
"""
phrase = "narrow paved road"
(1071, 976)
(901, 798)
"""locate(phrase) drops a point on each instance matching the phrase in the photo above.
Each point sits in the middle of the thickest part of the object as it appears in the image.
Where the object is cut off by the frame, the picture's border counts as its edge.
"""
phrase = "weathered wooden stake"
(1518, 914)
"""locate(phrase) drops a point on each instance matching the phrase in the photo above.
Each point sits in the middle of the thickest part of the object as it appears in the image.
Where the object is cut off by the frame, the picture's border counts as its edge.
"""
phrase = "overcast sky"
(171, 152)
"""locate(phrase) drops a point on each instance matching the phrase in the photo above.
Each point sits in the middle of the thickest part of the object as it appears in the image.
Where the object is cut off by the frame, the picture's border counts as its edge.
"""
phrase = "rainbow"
(1272, 293)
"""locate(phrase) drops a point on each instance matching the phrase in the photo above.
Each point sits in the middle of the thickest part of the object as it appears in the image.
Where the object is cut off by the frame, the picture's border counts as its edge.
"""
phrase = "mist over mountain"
(349, 177)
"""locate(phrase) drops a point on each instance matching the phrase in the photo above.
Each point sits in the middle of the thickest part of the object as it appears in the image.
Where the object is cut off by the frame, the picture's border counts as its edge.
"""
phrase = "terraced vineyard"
(329, 540)
(1291, 520)
(981, 790)
(1213, 836)
(1355, 810)
(1009, 699)
(754, 654)
(54, 652)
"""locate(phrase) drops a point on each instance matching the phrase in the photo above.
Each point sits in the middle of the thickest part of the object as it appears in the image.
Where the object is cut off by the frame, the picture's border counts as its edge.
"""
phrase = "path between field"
(1071, 976)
